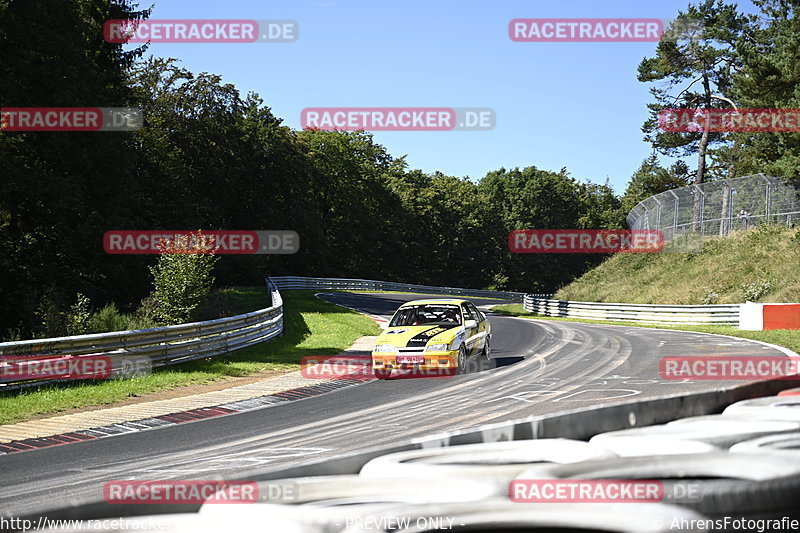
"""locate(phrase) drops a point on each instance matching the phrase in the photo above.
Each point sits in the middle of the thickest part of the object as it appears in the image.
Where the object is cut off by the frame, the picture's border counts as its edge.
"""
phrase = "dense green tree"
(769, 78)
(214, 160)
(538, 199)
(651, 178)
(60, 191)
(357, 208)
(451, 235)
(694, 63)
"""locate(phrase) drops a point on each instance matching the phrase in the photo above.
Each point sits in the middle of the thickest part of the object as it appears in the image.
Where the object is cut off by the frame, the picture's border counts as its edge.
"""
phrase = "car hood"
(411, 336)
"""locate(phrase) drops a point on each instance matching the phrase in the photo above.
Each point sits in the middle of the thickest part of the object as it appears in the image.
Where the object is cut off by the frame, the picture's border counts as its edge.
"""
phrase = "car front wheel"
(462, 360)
(383, 374)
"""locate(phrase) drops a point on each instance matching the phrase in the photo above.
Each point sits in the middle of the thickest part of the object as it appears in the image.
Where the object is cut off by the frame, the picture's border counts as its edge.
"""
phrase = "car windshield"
(433, 314)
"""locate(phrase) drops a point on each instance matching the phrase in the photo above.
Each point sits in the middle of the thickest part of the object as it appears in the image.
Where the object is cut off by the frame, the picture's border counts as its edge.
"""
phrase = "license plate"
(410, 359)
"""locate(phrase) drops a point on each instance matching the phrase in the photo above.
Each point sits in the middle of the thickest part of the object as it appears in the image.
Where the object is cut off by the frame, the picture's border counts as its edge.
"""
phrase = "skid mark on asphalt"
(230, 461)
(599, 397)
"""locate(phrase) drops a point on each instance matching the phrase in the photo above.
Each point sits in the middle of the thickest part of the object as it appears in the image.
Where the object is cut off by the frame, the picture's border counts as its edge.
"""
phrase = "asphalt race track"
(562, 367)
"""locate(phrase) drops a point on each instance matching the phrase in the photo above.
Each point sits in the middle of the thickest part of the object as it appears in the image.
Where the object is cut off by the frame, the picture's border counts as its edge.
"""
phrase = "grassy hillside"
(761, 265)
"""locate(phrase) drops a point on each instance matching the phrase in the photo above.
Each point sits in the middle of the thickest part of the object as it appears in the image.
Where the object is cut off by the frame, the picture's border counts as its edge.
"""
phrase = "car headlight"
(438, 348)
(385, 348)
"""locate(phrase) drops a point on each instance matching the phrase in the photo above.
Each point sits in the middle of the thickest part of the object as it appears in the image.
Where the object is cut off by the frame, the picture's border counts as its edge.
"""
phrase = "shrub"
(182, 280)
(710, 298)
(108, 319)
(50, 318)
(56, 323)
(753, 292)
(76, 319)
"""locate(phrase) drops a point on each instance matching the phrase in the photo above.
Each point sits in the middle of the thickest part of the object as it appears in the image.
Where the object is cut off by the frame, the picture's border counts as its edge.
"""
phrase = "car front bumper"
(430, 360)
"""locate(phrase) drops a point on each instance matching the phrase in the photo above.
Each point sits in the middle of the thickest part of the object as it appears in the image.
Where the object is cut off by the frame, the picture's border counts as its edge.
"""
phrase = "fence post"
(675, 216)
(702, 217)
(727, 210)
(767, 199)
(658, 212)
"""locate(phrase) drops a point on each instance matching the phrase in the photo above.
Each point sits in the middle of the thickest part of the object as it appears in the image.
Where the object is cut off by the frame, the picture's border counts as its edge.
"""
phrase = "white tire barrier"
(327, 502)
(785, 444)
(639, 445)
(333, 490)
(495, 461)
(722, 484)
(715, 430)
(770, 408)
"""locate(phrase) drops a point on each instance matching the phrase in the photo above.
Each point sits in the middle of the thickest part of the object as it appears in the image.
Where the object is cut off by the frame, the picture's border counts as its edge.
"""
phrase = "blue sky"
(573, 105)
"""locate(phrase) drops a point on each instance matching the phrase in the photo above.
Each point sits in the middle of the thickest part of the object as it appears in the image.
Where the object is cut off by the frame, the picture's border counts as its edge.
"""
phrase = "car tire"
(487, 350)
(461, 361)
(383, 374)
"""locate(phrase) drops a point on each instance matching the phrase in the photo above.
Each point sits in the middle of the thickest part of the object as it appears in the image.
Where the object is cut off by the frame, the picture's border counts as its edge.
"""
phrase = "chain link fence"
(718, 207)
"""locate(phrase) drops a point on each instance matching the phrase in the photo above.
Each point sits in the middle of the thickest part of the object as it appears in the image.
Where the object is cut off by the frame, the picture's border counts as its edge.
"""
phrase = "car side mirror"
(469, 324)
(383, 325)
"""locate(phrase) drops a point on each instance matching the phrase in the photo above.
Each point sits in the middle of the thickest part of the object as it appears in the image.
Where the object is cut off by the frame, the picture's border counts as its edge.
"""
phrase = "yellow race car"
(432, 337)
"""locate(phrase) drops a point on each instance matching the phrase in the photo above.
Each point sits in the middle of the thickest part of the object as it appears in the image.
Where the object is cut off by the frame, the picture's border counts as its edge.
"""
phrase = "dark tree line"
(211, 158)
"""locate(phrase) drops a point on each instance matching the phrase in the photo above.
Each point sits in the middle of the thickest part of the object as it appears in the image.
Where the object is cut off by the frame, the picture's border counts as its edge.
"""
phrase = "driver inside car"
(451, 316)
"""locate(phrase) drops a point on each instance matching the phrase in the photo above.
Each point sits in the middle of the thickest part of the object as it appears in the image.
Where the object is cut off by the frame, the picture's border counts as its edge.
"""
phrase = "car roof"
(451, 301)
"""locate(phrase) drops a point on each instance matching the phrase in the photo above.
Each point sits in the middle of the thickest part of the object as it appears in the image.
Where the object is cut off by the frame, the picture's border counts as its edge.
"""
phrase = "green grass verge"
(782, 337)
(311, 327)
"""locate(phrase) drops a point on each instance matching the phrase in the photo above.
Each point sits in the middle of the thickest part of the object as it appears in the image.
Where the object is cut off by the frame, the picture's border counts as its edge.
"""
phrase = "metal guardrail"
(718, 207)
(136, 351)
(656, 314)
(296, 282)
